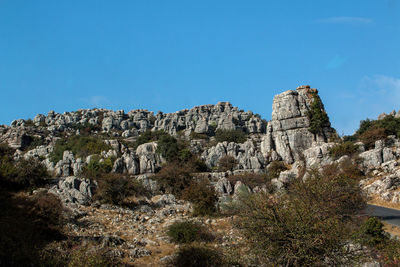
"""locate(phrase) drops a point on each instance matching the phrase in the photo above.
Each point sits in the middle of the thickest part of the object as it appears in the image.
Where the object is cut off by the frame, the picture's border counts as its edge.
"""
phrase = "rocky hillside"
(89, 153)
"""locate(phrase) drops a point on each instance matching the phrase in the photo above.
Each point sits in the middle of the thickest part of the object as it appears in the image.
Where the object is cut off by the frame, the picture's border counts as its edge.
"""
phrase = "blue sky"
(170, 55)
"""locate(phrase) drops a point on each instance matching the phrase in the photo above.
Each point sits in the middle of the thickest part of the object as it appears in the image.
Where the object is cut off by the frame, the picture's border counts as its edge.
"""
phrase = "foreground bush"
(184, 232)
(198, 256)
(117, 189)
(27, 225)
(203, 197)
(22, 173)
(306, 226)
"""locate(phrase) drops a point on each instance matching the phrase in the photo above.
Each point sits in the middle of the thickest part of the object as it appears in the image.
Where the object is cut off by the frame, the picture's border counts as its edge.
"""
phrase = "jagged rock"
(223, 186)
(318, 155)
(288, 133)
(149, 159)
(381, 186)
(74, 190)
(247, 155)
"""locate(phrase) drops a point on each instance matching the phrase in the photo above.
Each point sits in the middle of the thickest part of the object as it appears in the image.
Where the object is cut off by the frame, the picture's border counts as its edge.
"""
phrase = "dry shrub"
(275, 168)
(118, 189)
(252, 180)
(346, 148)
(304, 227)
(174, 178)
(226, 163)
(370, 136)
(202, 194)
(198, 256)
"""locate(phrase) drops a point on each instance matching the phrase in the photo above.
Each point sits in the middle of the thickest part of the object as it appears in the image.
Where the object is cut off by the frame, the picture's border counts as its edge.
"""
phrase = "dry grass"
(391, 229)
(376, 200)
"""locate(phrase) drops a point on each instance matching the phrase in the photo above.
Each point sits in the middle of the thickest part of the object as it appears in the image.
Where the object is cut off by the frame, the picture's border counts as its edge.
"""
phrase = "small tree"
(317, 115)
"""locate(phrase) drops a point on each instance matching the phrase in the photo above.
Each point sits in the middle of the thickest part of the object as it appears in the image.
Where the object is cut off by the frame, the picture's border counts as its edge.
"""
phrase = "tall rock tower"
(298, 120)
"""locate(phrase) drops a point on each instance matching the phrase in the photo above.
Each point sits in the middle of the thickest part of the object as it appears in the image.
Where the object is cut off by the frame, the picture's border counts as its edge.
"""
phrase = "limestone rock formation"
(288, 132)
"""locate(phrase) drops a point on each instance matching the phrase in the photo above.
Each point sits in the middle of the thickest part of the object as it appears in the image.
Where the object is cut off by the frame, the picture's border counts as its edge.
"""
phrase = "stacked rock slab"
(288, 132)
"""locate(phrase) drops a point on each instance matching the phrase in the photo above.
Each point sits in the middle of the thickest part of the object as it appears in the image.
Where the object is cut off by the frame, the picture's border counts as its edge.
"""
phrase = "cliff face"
(288, 133)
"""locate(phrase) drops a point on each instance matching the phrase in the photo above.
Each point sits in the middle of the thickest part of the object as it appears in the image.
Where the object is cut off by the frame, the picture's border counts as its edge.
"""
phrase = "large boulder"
(74, 190)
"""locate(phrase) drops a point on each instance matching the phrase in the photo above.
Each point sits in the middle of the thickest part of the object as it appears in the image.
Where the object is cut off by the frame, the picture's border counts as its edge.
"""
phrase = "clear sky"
(169, 55)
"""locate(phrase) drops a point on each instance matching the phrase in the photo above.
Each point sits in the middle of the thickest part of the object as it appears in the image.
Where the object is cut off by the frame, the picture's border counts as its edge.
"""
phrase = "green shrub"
(174, 178)
(148, 136)
(237, 136)
(275, 168)
(22, 173)
(346, 148)
(81, 146)
(117, 190)
(371, 233)
(194, 135)
(226, 163)
(203, 197)
(34, 141)
(167, 146)
(198, 256)
(184, 232)
(97, 168)
(317, 115)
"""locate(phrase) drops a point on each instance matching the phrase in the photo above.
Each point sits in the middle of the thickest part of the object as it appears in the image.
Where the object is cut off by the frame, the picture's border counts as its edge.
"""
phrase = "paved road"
(391, 216)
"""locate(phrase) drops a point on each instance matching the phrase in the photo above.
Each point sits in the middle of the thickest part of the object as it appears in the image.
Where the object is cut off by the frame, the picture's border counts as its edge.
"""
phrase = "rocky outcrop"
(288, 132)
(247, 155)
(201, 119)
(73, 190)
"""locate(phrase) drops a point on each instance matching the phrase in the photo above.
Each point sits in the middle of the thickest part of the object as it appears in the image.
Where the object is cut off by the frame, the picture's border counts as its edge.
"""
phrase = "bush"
(27, 225)
(116, 189)
(346, 148)
(275, 168)
(237, 136)
(252, 180)
(194, 135)
(96, 169)
(203, 196)
(167, 146)
(226, 163)
(306, 226)
(81, 146)
(148, 136)
(370, 136)
(184, 232)
(174, 178)
(196, 256)
(371, 232)
(22, 173)
(317, 115)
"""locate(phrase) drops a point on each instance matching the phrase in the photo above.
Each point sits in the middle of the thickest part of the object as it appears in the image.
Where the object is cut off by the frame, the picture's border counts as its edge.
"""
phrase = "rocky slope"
(287, 138)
